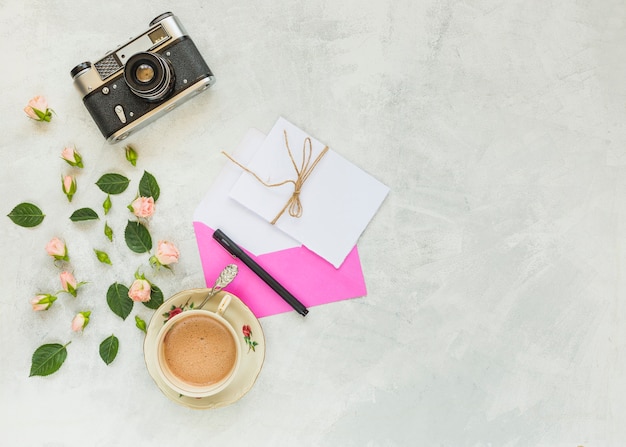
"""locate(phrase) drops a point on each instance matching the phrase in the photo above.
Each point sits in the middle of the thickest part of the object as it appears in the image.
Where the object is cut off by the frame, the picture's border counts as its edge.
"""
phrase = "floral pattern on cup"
(247, 336)
(245, 329)
(175, 310)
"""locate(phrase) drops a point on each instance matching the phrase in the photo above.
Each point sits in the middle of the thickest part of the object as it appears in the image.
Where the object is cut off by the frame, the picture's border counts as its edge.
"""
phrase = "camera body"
(143, 79)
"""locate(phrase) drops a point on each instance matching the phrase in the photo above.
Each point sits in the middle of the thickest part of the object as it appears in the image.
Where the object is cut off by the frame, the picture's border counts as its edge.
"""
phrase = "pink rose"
(80, 321)
(57, 249)
(167, 253)
(72, 157)
(67, 280)
(142, 206)
(37, 109)
(69, 186)
(140, 291)
(69, 284)
(42, 301)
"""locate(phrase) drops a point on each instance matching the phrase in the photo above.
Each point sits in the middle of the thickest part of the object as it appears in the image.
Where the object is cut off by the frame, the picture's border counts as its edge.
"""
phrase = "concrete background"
(495, 268)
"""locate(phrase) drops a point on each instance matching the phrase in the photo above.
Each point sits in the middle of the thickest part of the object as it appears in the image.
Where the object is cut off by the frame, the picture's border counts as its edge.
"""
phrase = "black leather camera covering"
(188, 65)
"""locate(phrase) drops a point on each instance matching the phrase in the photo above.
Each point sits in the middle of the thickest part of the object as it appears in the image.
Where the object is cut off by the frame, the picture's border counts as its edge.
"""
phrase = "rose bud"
(69, 284)
(42, 301)
(72, 157)
(140, 324)
(102, 257)
(57, 249)
(69, 186)
(37, 109)
(166, 254)
(80, 321)
(140, 291)
(142, 206)
(131, 155)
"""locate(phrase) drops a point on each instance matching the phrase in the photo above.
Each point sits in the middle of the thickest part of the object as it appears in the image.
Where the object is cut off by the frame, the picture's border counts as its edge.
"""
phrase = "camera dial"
(80, 68)
(160, 17)
(149, 76)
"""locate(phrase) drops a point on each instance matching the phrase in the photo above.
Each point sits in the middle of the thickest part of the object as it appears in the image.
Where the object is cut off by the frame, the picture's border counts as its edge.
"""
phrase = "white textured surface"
(494, 314)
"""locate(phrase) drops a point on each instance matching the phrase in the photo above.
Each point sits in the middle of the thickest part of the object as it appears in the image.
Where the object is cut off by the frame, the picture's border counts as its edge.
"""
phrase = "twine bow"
(294, 204)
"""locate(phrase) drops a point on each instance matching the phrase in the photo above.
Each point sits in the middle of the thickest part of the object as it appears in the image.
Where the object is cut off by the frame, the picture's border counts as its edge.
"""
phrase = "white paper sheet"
(217, 210)
(338, 199)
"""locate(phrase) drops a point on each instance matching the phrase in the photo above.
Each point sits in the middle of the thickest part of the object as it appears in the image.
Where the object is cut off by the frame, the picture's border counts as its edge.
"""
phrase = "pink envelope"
(310, 278)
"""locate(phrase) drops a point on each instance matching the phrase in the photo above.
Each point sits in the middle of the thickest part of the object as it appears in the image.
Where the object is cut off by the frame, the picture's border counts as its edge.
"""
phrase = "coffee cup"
(198, 352)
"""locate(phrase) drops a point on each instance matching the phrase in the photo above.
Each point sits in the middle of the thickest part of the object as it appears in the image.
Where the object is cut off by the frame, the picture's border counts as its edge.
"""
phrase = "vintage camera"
(143, 79)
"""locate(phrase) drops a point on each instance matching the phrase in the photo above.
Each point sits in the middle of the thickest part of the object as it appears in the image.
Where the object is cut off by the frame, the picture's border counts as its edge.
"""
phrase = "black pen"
(237, 252)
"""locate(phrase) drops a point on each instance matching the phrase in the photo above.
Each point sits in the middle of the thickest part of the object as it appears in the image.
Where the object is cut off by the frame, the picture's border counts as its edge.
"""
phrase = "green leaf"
(108, 349)
(47, 359)
(83, 214)
(113, 183)
(119, 301)
(106, 205)
(137, 237)
(26, 215)
(156, 298)
(148, 186)
(108, 232)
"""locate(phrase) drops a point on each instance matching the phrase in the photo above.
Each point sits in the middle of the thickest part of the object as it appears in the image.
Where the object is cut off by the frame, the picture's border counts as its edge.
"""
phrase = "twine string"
(294, 204)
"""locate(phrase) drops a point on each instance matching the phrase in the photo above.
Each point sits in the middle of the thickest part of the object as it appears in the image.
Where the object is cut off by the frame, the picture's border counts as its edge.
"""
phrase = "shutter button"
(119, 111)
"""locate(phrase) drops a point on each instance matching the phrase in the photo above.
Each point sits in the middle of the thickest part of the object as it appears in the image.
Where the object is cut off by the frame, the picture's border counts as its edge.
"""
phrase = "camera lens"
(144, 73)
(149, 76)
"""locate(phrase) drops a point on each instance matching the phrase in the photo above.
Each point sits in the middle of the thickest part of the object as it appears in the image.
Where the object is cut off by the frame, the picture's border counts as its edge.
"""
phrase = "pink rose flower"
(42, 301)
(80, 321)
(140, 291)
(37, 109)
(142, 206)
(67, 280)
(72, 157)
(69, 186)
(57, 249)
(166, 254)
(69, 284)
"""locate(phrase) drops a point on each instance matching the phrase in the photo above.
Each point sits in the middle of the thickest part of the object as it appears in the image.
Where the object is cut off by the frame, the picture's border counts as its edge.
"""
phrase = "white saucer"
(237, 314)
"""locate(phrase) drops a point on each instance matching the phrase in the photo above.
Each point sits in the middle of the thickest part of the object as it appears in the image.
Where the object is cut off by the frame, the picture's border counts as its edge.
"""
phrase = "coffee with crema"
(199, 350)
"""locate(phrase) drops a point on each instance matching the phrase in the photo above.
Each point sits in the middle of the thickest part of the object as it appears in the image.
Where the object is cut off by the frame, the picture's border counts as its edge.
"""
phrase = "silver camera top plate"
(157, 36)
